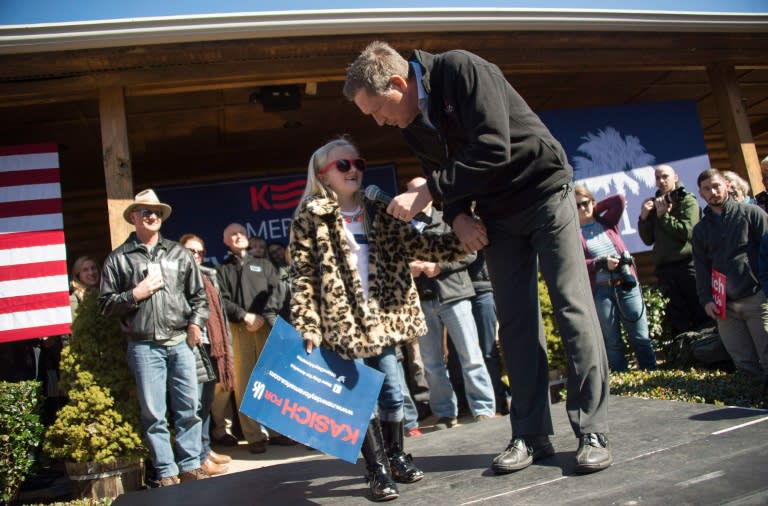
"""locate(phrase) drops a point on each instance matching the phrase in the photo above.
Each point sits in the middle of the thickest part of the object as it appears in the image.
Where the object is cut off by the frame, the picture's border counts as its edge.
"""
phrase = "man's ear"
(399, 83)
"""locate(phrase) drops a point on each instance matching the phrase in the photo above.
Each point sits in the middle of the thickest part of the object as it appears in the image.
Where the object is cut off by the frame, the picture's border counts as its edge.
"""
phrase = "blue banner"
(614, 150)
(263, 205)
(318, 399)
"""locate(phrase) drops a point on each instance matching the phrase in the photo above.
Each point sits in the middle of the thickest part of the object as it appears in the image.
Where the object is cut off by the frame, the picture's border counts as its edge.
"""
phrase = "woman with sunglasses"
(216, 338)
(352, 292)
(618, 299)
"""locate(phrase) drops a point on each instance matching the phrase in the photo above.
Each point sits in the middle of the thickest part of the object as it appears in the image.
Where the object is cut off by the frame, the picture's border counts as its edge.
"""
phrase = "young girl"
(352, 292)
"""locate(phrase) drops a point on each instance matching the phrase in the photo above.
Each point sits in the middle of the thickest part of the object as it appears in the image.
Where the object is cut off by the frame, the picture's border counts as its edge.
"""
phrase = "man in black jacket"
(727, 251)
(253, 296)
(154, 286)
(478, 141)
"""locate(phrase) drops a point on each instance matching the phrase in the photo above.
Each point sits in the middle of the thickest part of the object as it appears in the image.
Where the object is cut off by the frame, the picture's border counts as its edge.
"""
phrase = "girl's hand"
(308, 346)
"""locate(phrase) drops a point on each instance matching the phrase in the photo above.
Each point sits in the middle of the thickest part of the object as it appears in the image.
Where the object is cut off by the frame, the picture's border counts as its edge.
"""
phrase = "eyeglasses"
(146, 213)
(197, 252)
(344, 165)
(584, 204)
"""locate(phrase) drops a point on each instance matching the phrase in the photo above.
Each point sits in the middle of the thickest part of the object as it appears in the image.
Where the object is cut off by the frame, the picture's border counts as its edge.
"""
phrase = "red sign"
(718, 293)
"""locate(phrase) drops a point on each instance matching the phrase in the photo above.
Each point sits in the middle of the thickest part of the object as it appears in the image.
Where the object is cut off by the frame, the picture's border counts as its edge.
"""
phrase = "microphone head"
(372, 192)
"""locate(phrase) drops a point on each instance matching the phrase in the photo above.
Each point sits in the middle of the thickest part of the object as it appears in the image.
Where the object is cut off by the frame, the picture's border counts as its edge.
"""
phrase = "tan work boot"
(193, 475)
(211, 468)
(168, 481)
(219, 458)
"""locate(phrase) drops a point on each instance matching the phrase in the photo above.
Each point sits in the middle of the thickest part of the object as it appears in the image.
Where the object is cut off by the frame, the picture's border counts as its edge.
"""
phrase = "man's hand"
(405, 206)
(662, 206)
(471, 232)
(431, 269)
(646, 208)
(416, 267)
(253, 322)
(148, 286)
(194, 335)
(711, 309)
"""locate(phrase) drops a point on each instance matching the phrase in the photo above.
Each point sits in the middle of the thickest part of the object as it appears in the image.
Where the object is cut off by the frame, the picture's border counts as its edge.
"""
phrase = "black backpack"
(701, 349)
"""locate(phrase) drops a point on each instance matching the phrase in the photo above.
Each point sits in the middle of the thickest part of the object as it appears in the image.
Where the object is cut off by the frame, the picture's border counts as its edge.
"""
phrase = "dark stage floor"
(664, 453)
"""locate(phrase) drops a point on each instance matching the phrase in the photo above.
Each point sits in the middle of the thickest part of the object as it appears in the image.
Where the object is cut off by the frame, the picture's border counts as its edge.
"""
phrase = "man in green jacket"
(666, 222)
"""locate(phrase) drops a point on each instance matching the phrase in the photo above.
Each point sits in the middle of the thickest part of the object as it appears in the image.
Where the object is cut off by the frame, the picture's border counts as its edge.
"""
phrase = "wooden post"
(733, 118)
(118, 176)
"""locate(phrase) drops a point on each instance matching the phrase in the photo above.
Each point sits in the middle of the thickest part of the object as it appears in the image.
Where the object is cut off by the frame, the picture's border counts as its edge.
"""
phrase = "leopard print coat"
(327, 301)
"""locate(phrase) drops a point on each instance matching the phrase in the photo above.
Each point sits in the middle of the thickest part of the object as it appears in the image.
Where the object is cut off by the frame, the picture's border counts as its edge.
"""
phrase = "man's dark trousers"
(547, 230)
(678, 282)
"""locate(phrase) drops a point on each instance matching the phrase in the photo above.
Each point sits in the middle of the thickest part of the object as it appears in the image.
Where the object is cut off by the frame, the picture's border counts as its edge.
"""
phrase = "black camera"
(674, 196)
(628, 280)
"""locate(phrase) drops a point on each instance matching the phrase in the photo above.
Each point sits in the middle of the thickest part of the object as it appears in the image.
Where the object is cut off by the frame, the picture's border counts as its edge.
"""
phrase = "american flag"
(34, 294)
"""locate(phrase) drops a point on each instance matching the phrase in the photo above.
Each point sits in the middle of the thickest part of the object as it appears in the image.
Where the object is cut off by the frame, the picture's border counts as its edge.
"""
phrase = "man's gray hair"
(373, 69)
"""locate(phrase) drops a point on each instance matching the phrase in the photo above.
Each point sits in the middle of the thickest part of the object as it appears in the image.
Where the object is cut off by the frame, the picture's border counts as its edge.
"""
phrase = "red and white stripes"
(34, 294)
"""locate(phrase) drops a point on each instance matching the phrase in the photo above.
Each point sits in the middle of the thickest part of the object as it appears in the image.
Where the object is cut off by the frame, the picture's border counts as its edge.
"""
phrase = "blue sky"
(49, 11)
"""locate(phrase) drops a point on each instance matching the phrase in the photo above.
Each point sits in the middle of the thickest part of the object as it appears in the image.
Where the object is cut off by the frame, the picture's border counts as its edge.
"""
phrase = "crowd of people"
(496, 206)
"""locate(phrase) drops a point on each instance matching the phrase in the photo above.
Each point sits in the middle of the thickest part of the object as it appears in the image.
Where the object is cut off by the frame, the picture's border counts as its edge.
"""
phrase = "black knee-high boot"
(383, 487)
(401, 463)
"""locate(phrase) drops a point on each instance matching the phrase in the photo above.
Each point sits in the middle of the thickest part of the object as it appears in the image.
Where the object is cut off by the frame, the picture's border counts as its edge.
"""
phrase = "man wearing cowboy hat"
(154, 286)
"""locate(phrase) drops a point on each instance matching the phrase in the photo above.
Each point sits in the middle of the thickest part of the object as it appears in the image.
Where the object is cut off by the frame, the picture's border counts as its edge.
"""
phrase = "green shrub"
(20, 431)
(104, 501)
(556, 357)
(89, 429)
(101, 419)
(656, 313)
(710, 387)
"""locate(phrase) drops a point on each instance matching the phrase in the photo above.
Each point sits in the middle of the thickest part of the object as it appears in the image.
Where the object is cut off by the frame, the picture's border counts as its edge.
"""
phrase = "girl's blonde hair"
(77, 266)
(315, 187)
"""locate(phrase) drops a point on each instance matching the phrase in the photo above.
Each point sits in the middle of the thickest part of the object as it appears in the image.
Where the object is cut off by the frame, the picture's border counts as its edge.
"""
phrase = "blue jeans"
(616, 307)
(410, 413)
(391, 396)
(484, 311)
(167, 372)
(457, 318)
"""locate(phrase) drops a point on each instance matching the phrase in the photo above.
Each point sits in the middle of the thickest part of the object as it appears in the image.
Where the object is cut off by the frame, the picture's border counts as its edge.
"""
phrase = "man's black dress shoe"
(593, 453)
(521, 453)
(280, 440)
(227, 439)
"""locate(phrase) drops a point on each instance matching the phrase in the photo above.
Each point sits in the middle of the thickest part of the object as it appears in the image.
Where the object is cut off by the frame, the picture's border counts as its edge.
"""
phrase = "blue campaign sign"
(318, 399)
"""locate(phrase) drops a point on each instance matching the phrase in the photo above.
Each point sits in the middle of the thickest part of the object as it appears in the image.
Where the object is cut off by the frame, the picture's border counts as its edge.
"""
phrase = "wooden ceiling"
(190, 118)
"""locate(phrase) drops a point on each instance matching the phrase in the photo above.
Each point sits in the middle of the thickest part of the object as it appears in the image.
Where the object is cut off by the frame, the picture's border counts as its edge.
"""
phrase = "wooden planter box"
(93, 480)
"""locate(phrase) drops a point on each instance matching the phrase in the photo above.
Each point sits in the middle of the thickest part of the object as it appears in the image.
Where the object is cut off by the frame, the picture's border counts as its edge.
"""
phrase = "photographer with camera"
(666, 222)
(618, 298)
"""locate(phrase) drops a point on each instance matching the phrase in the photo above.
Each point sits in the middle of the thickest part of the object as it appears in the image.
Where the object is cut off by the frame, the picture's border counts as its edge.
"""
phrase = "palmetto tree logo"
(613, 163)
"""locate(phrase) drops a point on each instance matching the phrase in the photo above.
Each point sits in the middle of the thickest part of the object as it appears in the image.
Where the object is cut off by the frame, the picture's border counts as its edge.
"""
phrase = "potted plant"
(98, 432)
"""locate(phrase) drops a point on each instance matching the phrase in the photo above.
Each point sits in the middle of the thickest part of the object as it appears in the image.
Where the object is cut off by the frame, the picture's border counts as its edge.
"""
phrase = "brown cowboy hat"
(147, 198)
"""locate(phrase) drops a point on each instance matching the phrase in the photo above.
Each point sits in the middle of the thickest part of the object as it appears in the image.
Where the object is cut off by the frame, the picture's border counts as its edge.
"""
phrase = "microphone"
(374, 193)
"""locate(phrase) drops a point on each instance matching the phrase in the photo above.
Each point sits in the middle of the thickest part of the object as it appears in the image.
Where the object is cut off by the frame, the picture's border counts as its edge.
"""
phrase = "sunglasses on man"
(344, 165)
(146, 213)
